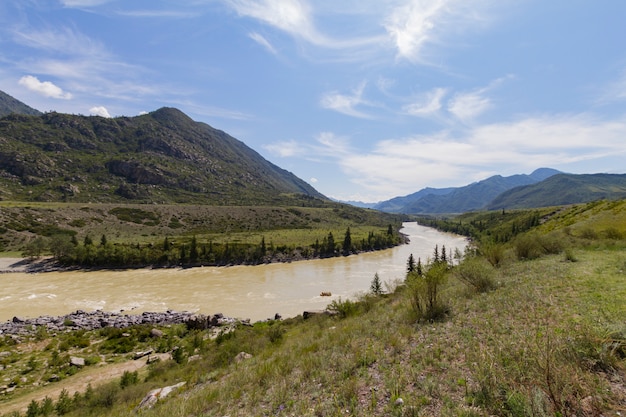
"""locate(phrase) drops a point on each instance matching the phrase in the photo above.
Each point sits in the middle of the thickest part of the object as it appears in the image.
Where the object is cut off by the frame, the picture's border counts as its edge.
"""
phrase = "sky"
(364, 99)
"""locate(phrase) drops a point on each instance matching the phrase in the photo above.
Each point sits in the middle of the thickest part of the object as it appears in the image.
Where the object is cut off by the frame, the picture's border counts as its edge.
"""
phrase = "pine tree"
(347, 242)
(376, 286)
(410, 264)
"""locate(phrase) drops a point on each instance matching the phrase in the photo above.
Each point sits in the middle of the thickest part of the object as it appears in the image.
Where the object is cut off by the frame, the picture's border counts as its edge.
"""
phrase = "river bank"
(83, 320)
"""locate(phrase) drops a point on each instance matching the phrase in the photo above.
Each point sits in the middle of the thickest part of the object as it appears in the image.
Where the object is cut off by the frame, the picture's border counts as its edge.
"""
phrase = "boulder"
(156, 395)
(241, 356)
(78, 362)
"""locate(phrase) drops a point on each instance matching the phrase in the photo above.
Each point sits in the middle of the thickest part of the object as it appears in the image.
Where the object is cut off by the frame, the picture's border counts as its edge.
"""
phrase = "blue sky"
(364, 99)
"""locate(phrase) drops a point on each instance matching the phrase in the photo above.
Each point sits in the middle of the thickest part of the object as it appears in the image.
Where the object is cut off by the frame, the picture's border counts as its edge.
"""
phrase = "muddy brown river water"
(254, 292)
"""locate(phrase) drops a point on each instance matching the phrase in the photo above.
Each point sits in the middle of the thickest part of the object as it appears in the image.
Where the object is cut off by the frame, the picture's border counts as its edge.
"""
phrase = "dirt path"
(95, 376)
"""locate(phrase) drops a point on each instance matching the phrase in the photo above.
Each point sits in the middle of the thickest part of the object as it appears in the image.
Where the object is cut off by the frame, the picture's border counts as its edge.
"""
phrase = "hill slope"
(457, 200)
(9, 105)
(563, 189)
(160, 157)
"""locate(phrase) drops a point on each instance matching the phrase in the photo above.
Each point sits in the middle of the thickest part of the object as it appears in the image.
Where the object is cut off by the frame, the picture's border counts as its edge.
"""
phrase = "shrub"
(425, 292)
(343, 308)
(528, 247)
(128, 379)
(477, 273)
(493, 252)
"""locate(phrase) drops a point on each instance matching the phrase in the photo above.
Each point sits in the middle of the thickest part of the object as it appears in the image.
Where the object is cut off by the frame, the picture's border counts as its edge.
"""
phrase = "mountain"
(160, 157)
(461, 199)
(9, 105)
(563, 189)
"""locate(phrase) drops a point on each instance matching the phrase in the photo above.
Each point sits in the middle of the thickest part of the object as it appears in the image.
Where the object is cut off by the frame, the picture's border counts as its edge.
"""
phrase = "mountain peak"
(170, 115)
(541, 174)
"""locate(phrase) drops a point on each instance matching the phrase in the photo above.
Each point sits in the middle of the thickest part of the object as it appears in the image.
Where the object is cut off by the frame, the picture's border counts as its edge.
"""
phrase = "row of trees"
(67, 250)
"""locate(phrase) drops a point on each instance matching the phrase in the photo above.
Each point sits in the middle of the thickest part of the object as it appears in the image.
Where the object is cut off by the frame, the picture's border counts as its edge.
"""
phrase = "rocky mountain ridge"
(160, 157)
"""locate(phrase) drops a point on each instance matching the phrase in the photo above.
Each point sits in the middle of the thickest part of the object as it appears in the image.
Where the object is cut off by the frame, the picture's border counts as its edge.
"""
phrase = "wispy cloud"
(83, 3)
(286, 149)
(467, 106)
(426, 104)
(413, 25)
(45, 88)
(346, 103)
(291, 16)
(258, 38)
(64, 41)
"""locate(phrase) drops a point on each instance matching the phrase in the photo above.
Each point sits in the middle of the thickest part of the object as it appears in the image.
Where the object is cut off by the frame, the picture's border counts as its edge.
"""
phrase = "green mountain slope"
(160, 157)
(563, 189)
(462, 199)
(9, 105)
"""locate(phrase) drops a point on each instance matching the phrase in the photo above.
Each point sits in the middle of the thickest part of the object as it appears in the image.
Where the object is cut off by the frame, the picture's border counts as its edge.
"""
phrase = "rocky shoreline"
(82, 320)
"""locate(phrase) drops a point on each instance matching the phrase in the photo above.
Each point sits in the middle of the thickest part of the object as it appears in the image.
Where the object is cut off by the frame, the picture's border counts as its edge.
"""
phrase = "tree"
(330, 244)
(410, 264)
(33, 409)
(436, 254)
(64, 403)
(61, 246)
(444, 255)
(103, 240)
(193, 250)
(419, 270)
(87, 241)
(347, 242)
(34, 248)
(376, 286)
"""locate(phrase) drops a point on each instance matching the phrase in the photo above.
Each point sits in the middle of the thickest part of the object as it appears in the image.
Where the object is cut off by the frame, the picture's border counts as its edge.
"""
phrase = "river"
(254, 292)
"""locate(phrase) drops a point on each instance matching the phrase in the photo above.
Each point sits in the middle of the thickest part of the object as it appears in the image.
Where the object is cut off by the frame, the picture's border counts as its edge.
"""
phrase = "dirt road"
(95, 376)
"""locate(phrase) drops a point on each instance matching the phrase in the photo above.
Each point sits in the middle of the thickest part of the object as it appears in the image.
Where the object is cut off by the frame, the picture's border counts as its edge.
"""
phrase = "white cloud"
(99, 111)
(296, 18)
(291, 16)
(64, 41)
(412, 25)
(313, 180)
(45, 88)
(285, 149)
(427, 104)
(263, 42)
(467, 106)
(83, 3)
(346, 104)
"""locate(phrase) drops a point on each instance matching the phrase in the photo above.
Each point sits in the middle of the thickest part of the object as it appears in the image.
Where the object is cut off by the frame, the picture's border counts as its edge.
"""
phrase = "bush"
(476, 272)
(493, 252)
(425, 292)
(343, 308)
(528, 247)
(128, 379)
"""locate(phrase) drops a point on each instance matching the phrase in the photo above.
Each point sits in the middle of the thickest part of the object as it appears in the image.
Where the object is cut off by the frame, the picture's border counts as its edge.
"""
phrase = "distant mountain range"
(542, 188)
(160, 157)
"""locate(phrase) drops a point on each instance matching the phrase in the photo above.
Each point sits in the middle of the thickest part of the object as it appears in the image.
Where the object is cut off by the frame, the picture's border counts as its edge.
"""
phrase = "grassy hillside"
(518, 332)
(563, 189)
